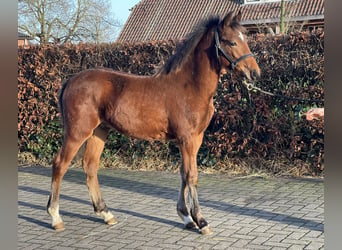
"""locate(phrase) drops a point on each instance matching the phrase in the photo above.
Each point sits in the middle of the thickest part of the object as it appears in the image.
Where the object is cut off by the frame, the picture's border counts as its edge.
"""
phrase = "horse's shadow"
(160, 192)
(95, 219)
(34, 221)
(43, 209)
(76, 176)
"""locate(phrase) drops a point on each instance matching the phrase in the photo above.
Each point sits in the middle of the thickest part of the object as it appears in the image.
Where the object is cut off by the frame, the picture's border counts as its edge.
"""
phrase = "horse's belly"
(148, 124)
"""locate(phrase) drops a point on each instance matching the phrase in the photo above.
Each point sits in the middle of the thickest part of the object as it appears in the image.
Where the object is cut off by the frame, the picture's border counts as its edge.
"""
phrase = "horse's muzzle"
(254, 74)
(250, 74)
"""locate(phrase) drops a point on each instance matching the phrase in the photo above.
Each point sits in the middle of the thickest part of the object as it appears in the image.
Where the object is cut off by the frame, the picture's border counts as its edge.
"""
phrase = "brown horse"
(176, 103)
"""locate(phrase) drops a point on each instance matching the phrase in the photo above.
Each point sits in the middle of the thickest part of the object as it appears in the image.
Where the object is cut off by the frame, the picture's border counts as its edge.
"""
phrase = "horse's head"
(232, 49)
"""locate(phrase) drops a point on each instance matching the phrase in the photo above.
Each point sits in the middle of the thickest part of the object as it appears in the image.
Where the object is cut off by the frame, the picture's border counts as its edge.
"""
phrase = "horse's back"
(133, 105)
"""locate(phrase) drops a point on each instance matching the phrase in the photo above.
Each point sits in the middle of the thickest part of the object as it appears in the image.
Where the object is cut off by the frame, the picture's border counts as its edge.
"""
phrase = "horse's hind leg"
(59, 167)
(91, 160)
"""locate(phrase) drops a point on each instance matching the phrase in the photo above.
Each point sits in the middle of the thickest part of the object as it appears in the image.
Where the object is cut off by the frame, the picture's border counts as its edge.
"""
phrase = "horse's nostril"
(254, 74)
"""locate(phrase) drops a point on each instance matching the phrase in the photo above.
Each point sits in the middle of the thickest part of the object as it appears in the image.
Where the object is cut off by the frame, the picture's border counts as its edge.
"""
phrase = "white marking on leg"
(107, 216)
(189, 222)
(188, 219)
(56, 218)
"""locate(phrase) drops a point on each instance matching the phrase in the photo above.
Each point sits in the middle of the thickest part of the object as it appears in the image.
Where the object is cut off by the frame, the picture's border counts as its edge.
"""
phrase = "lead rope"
(251, 86)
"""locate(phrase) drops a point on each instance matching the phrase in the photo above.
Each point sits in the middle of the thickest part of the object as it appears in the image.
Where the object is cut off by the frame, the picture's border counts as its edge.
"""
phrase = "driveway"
(245, 213)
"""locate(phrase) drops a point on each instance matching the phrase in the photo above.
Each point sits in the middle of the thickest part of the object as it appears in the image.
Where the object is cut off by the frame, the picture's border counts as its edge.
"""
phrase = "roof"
(23, 36)
(165, 19)
(297, 10)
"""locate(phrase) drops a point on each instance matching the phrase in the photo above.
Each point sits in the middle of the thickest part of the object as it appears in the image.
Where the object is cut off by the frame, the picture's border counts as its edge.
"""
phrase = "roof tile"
(165, 19)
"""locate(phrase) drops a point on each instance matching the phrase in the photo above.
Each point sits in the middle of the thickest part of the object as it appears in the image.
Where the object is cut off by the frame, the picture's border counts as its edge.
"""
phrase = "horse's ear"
(237, 18)
(227, 19)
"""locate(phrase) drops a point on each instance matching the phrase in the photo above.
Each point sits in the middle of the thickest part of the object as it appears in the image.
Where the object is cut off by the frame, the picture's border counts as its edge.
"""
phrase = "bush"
(243, 127)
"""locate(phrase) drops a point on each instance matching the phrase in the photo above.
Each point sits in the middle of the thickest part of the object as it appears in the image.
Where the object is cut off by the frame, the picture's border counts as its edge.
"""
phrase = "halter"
(231, 60)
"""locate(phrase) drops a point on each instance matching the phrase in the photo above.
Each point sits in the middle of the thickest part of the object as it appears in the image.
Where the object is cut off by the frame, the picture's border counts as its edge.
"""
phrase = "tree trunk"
(282, 17)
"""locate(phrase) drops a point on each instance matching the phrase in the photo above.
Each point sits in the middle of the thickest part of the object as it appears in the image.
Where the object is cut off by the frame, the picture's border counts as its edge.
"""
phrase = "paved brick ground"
(245, 213)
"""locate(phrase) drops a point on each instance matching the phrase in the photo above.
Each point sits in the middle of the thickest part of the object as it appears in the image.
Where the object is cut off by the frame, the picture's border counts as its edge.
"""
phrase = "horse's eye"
(229, 43)
(232, 43)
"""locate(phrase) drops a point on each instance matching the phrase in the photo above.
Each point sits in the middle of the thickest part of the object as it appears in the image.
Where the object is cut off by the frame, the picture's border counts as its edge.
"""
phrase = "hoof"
(206, 230)
(108, 217)
(59, 227)
(111, 221)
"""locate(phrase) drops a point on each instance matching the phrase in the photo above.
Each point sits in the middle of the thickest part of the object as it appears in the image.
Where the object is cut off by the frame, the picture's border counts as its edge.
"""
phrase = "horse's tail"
(60, 99)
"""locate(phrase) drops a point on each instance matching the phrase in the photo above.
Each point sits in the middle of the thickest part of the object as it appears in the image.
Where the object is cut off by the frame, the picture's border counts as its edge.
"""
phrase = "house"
(23, 39)
(165, 19)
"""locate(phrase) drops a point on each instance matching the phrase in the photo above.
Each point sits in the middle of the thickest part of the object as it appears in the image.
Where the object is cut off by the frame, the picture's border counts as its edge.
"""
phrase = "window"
(259, 1)
(252, 1)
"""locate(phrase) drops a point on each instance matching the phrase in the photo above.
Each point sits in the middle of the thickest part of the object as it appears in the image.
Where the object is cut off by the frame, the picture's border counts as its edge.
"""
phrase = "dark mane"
(188, 45)
(237, 26)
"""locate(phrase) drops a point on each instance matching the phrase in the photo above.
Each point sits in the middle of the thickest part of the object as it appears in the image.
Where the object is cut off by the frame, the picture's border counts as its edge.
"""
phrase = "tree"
(63, 21)
(97, 25)
(282, 17)
(288, 26)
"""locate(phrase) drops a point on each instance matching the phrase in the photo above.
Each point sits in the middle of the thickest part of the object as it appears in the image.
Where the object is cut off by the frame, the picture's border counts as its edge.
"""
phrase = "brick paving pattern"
(245, 213)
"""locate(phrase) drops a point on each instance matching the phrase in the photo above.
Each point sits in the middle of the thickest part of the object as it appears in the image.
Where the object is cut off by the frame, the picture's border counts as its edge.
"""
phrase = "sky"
(120, 9)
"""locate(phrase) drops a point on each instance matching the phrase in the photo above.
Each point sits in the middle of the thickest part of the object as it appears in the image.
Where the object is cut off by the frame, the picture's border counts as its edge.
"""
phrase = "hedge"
(245, 125)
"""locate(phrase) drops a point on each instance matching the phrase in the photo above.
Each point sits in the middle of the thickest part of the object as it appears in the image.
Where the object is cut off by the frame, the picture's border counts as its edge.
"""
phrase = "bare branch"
(67, 20)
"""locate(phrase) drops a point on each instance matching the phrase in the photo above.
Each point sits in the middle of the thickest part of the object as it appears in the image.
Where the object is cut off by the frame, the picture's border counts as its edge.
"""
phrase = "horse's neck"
(204, 73)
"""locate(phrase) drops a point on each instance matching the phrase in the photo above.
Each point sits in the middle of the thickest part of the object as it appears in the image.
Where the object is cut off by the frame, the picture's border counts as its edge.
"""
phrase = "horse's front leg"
(188, 206)
(182, 204)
